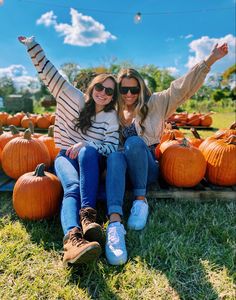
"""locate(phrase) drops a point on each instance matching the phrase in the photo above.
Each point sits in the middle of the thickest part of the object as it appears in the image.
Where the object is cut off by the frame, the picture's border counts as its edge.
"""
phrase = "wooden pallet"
(202, 192)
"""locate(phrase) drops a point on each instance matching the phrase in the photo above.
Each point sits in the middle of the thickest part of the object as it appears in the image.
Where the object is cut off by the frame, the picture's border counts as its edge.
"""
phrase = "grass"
(187, 251)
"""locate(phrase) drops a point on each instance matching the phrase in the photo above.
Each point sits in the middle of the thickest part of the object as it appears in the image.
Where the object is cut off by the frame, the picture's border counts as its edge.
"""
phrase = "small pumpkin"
(182, 165)
(37, 195)
(48, 140)
(43, 121)
(196, 140)
(8, 136)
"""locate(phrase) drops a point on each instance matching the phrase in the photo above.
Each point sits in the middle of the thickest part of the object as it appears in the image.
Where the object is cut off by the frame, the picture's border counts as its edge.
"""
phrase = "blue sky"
(172, 34)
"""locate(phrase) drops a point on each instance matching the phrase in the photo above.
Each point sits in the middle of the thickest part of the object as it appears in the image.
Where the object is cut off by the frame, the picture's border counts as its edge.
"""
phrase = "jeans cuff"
(139, 192)
(115, 209)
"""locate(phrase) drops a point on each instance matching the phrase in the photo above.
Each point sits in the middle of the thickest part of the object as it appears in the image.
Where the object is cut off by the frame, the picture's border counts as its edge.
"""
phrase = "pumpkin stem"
(39, 171)
(233, 126)
(231, 139)
(27, 134)
(51, 131)
(13, 129)
(185, 142)
(31, 127)
(195, 133)
(1, 130)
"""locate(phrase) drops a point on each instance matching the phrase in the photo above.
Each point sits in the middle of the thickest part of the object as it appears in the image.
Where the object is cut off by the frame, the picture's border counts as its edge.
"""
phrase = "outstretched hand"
(220, 51)
(21, 39)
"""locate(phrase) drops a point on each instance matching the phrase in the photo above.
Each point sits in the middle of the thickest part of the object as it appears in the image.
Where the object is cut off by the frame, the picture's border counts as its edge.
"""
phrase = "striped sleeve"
(111, 139)
(53, 80)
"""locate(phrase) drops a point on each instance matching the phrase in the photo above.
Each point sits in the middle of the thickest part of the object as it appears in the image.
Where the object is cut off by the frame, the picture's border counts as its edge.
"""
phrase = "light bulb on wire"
(1, 2)
(138, 17)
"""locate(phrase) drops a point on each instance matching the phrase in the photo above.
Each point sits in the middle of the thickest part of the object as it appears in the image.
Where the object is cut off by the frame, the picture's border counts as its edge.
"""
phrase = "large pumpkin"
(37, 194)
(23, 154)
(182, 165)
(221, 161)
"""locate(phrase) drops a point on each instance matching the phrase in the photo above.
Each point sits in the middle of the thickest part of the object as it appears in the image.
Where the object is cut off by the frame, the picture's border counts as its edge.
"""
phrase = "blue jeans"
(80, 180)
(136, 161)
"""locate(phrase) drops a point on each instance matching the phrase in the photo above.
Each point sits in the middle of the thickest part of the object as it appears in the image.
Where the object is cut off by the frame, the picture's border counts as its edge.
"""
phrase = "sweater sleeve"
(111, 139)
(180, 90)
(53, 80)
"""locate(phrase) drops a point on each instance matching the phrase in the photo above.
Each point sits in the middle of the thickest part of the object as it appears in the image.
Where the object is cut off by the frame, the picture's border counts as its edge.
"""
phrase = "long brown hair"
(83, 122)
(141, 107)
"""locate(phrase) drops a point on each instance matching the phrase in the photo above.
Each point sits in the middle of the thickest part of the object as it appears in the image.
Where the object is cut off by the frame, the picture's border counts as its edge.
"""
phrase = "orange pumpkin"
(50, 144)
(226, 132)
(196, 140)
(160, 148)
(37, 194)
(13, 120)
(182, 165)
(23, 154)
(221, 161)
(43, 122)
(3, 117)
(8, 136)
(27, 119)
(168, 133)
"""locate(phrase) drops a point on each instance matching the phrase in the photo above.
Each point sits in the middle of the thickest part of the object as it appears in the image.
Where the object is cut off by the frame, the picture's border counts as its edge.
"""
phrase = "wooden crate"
(202, 192)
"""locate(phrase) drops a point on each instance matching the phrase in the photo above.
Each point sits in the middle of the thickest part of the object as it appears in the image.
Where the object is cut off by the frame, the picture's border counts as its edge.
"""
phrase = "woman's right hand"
(24, 40)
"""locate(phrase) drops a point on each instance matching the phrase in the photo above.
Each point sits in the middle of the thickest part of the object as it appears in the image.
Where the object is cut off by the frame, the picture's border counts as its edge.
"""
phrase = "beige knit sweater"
(163, 104)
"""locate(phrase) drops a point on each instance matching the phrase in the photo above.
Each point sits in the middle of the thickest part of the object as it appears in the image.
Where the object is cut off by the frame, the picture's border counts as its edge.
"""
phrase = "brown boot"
(92, 231)
(77, 249)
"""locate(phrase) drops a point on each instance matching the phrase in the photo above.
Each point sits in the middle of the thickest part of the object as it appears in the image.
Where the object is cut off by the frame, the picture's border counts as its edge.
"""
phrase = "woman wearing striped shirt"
(86, 131)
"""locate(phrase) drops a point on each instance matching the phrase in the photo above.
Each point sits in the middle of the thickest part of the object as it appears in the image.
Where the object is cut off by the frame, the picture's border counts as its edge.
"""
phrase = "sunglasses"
(133, 89)
(99, 87)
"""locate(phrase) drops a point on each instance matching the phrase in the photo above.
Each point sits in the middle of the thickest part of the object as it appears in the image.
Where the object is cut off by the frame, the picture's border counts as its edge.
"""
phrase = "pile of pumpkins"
(184, 162)
(21, 119)
(191, 119)
(36, 194)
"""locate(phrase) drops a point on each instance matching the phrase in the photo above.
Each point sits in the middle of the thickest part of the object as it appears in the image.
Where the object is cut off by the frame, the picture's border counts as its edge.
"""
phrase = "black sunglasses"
(133, 89)
(99, 87)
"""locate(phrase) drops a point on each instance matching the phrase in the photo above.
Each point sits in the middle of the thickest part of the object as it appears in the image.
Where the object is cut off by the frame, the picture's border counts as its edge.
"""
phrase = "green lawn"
(187, 251)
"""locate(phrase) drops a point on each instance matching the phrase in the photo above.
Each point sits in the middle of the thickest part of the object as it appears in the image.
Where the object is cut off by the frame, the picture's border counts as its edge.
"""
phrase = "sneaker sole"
(95, 234)
(89, 254)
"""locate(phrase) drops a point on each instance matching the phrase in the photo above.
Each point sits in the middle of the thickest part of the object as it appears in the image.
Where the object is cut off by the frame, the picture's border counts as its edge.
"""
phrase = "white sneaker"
(138, 215)
(115, 249)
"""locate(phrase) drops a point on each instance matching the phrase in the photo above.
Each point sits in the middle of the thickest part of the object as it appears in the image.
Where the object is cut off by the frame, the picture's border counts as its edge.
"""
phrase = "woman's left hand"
(221, 51)
(74, 150)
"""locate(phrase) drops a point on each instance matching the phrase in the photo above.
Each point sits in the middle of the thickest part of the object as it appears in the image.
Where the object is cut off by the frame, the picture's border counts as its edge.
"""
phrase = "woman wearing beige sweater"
(142, 116)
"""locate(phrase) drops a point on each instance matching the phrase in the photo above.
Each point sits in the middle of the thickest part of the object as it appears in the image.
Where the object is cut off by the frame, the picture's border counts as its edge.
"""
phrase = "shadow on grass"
(48, 233)
(179, 237)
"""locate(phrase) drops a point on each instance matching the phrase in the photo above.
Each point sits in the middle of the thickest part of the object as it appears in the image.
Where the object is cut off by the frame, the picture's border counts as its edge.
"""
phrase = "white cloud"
(173, 71)
(20, 77)
(47, 19)
(188, 36)
(202, 47)
(83, 31)
(13, 71)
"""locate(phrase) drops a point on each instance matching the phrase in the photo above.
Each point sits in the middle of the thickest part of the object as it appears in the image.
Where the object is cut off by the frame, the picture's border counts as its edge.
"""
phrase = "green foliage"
(6, 86)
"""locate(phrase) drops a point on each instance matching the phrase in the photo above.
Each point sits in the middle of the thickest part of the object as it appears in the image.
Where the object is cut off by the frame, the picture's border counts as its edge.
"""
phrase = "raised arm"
(50, 76)
(186, 86)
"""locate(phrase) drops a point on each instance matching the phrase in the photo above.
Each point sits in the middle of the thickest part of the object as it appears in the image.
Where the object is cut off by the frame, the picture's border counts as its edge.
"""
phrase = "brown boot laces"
(88, 217)
(77, 239)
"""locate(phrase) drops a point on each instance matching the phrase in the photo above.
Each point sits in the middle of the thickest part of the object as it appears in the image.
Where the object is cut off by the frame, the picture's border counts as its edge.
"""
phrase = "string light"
(1, 2)
(138, 17)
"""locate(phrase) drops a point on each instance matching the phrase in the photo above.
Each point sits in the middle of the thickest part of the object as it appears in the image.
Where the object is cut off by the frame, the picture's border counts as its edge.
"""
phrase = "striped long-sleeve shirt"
(102, 135)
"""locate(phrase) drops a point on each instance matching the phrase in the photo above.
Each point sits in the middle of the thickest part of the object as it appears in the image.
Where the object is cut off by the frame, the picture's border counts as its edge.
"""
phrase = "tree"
(71, 70)
(6, 86)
